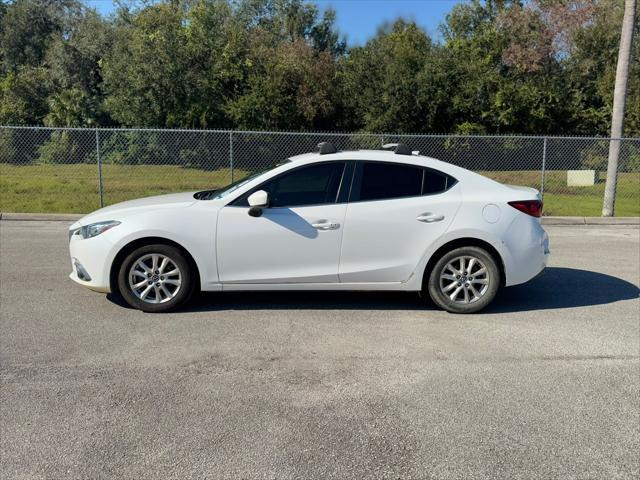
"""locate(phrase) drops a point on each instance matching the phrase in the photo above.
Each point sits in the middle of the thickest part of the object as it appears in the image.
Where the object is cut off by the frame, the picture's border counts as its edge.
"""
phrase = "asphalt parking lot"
(545, 384)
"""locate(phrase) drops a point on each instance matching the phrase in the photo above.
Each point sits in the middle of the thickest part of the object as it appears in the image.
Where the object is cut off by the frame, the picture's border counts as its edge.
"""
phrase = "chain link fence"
(79, 170)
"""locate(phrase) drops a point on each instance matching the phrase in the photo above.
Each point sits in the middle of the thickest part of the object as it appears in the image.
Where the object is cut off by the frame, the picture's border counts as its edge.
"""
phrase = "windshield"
(219, 194)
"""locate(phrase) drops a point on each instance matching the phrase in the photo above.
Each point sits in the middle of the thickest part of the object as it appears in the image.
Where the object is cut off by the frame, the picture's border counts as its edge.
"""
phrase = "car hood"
(140, 205)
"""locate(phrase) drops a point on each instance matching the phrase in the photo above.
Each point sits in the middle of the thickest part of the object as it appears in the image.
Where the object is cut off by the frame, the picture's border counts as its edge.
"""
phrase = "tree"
(209, 62)
(383, 80)
(325, 37)
(619, 100)
(146, 72)
(289, 87)
(74, 58)
(71, 108)
(27, 27)
(23, 96)
(502, 66)
(217, 45)
(590, 71)
(504, 73)
(49, 47)
(287, 21)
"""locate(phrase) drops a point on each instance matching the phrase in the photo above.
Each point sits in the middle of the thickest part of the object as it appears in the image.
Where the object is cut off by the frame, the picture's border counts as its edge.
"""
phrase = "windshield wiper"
(205, 194)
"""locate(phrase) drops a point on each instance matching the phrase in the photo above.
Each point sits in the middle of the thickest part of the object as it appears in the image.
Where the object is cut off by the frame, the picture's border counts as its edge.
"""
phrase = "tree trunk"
(619, 100)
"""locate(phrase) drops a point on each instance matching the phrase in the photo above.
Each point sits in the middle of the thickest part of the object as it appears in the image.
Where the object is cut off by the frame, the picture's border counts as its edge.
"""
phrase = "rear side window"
(380, 181)
(389, 180)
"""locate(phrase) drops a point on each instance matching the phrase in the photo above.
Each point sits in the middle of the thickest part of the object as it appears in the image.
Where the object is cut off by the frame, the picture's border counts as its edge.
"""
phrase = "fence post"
(231, 154)
(99, 168)
(544, 166)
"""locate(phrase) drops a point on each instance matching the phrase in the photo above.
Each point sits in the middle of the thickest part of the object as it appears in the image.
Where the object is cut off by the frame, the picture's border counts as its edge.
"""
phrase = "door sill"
(235, 287)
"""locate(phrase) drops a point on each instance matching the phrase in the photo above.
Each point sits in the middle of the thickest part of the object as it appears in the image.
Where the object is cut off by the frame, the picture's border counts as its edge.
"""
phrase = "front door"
(295, 240)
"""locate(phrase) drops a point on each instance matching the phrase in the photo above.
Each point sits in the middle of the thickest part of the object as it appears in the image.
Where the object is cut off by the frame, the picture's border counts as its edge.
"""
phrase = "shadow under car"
(556, 288)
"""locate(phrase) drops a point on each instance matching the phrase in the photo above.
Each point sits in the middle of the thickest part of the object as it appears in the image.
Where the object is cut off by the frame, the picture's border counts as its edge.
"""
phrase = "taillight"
(530, 207)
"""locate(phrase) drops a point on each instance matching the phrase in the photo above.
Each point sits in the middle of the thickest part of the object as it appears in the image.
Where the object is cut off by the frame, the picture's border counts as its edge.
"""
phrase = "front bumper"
(90, 262)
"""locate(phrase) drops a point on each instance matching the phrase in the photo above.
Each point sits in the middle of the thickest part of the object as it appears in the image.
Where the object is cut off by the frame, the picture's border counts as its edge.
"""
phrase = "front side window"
(220, 194)
(312, 185)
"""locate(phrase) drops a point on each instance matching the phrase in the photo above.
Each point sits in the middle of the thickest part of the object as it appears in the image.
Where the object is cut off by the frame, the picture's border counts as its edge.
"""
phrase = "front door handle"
(325, 225)
(429, 217)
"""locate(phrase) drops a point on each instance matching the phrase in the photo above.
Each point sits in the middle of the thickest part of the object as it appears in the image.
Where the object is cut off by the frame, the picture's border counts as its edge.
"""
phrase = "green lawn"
(561, 200)
(74, 188)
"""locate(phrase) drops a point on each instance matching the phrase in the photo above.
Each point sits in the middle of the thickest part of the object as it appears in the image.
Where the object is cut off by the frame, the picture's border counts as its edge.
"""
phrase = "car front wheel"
(156, 278)
(464, 280)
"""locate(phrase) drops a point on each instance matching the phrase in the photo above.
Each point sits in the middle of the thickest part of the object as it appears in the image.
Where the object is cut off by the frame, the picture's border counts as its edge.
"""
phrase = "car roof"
(385, 155)
(373, 155)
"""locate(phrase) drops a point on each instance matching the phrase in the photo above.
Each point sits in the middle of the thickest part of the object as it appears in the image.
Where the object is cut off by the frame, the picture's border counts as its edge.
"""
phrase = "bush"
(134, 148)
(65, 146)
(596, 156)
(7, 148)
(630, 157)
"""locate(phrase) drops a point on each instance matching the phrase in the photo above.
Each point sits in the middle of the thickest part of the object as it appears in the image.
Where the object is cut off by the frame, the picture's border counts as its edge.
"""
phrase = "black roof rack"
(326, 148)
(398, 148)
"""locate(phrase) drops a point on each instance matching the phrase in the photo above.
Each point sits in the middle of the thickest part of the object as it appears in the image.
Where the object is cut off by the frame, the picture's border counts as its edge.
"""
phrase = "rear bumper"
(545, 261)
(546, 251)
(529, 251)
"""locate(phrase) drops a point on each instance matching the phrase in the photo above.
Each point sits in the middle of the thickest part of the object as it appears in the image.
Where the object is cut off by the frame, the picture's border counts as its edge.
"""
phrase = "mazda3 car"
(328, 220)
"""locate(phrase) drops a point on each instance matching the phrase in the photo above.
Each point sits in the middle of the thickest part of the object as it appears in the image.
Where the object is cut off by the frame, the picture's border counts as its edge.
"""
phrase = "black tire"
(460, 281)
(181, 294)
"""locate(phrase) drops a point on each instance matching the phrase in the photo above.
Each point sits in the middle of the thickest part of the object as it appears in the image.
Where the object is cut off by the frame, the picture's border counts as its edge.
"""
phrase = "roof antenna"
(326, 148)
(398, 148)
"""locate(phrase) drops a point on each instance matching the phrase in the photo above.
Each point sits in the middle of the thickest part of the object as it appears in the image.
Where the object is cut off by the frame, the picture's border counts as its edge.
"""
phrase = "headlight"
(75, 231)
(94, 229)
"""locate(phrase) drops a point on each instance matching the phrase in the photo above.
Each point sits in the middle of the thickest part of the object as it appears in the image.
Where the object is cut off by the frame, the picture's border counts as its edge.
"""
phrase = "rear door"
(395, 212)
(297, 239)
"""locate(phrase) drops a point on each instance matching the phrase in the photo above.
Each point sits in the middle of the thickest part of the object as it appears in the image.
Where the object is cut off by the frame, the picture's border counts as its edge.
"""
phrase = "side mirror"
(257, 201)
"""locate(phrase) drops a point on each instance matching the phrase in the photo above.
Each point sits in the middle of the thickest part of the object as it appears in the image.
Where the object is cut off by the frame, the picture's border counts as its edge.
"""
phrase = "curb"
(612, 221)
(42, 217)
(563, 220)
(590, 220)
(72, 217)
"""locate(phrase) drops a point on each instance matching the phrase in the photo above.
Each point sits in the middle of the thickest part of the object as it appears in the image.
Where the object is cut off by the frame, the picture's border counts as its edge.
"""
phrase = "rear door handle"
(325, 225)
(429, 217)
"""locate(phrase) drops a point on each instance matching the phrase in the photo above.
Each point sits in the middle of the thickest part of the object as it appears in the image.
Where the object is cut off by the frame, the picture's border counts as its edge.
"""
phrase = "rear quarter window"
(436, 182)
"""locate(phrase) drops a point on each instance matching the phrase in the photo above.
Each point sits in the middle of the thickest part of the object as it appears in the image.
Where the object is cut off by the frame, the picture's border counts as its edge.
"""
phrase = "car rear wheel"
(156, 278)
(464, 280)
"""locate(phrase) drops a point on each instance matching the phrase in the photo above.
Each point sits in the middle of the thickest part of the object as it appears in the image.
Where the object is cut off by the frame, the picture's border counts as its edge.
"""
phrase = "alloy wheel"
(155, 278)
(464, 279)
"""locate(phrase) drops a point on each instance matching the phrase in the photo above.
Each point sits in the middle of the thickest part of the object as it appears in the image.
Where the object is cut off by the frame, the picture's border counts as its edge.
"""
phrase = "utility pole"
(619, 101)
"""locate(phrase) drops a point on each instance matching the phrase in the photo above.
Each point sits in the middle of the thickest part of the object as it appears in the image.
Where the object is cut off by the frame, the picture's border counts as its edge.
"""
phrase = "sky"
(358, 20)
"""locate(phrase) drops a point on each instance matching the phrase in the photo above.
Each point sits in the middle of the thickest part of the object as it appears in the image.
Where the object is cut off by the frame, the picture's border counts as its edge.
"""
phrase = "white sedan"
(330, 220)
